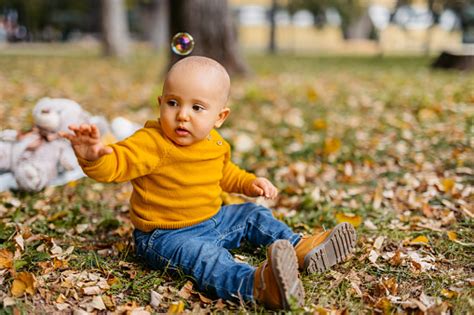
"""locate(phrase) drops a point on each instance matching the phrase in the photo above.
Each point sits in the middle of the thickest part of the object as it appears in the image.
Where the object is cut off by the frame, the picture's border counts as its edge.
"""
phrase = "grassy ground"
(383, 143)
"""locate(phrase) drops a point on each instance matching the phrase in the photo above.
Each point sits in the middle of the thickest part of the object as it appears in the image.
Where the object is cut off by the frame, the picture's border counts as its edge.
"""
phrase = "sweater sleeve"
(235, 180)
(133, 157)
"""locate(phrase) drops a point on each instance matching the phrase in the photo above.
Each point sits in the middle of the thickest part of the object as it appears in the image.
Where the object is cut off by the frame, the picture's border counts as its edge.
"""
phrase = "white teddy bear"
(40, 158)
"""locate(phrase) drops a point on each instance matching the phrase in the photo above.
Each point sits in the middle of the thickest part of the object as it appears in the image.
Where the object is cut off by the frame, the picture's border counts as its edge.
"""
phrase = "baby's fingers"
(85, 129)
(95, 132)
(66, 135)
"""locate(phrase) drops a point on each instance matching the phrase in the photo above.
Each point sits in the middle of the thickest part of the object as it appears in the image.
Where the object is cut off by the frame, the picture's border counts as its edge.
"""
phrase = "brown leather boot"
(317, 253)
(277, 284)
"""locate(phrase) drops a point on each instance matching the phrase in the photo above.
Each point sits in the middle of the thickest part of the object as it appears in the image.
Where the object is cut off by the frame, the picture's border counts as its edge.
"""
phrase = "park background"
(337, 102)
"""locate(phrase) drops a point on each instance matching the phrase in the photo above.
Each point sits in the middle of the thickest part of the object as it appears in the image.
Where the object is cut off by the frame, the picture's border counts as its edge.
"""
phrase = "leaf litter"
(386, 149)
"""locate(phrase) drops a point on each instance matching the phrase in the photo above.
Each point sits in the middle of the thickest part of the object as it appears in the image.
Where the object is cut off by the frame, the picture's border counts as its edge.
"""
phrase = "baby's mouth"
(182, 131)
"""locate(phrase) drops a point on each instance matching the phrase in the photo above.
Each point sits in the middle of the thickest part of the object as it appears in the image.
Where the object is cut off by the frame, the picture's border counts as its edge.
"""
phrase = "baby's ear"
(222, 117)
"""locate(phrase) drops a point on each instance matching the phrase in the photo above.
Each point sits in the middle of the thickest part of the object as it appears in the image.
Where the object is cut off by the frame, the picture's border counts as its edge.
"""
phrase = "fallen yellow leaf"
(321, 311)
(6, 259)
(319, 124)
(419, 240)
(351, 218)
(24, 282)
(448, 293)
(427, 115)
(391, 285)
(331, 145)
(58, 215)
(311, 94)
(448, 184)
(176, 307)
(72, 184)
(452, 235)
(384, 305)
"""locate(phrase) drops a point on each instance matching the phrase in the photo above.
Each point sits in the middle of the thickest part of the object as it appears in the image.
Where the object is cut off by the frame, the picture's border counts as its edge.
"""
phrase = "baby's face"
(192, 104)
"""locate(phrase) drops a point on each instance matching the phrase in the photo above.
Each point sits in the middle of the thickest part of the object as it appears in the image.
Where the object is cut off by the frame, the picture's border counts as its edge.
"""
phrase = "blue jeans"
(202, 250)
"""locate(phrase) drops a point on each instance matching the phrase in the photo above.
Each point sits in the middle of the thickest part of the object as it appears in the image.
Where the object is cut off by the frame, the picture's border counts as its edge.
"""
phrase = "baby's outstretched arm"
(262, 187)
(86, 142)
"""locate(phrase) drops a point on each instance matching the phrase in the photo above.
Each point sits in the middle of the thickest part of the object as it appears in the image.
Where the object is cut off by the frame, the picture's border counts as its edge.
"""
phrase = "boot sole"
(334, 249)
(285, 269)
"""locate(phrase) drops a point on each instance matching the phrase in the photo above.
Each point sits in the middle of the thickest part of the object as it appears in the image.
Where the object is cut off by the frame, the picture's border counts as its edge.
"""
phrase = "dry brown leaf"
(396, 259)
(8, 301)
(97, 303)
(109, 302)
(6, 259)
(186, 290)
(91, 290)
(427, 115)
(204, 299)
(220, 305)
(155, 299)
(20, 241)
(379, 242)
(61, 299)
(24, 282)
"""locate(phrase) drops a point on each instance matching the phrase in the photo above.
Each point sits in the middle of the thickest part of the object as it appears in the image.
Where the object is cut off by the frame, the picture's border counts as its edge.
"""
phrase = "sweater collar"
(214, 139)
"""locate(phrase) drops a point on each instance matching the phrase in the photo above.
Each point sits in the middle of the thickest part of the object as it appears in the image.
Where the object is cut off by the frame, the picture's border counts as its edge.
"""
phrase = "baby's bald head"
(210, 70)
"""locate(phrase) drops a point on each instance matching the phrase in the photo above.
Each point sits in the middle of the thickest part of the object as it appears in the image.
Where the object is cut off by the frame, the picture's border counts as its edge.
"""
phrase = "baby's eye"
(198, 108)
(172, 103)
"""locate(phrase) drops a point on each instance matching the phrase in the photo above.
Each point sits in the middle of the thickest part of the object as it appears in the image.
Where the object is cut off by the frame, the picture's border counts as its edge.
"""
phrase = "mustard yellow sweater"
(173, 186)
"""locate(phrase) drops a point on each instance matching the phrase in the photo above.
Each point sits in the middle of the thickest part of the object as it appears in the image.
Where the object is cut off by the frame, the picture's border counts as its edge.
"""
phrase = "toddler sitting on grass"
(178, 166)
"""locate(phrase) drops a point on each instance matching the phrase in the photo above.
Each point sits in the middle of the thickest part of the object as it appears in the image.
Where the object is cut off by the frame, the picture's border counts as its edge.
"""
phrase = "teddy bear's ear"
(68, 111)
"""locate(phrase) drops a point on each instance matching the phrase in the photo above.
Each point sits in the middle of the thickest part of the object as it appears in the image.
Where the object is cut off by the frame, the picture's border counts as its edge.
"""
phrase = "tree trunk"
(272, 42)
(115, 28)
(210, 24)
(361, 28)
(154, 16)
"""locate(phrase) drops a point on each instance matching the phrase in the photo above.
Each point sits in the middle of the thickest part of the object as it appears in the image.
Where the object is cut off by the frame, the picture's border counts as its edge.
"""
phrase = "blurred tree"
(272, 43)
(115, 34)
(462, 60)
(210, 23)
(154, 21)
(464, 9)
(354, 18)
(64, 17)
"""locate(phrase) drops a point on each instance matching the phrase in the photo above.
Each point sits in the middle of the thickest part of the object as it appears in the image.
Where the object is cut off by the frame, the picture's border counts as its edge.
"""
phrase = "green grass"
(401, 127)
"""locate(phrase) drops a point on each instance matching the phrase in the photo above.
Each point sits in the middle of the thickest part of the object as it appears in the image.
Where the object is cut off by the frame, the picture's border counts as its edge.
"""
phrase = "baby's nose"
(183, 115)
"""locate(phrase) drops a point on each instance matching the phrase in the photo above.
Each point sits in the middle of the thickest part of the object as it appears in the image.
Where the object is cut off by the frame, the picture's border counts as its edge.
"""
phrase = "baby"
(178, 166)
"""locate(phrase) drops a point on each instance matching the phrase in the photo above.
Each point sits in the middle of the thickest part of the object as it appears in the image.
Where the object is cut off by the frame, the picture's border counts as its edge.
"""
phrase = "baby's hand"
(262, 187)
(86, 142)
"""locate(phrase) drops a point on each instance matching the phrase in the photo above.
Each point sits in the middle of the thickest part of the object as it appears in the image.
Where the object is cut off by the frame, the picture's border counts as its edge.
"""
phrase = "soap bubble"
(182, 44)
